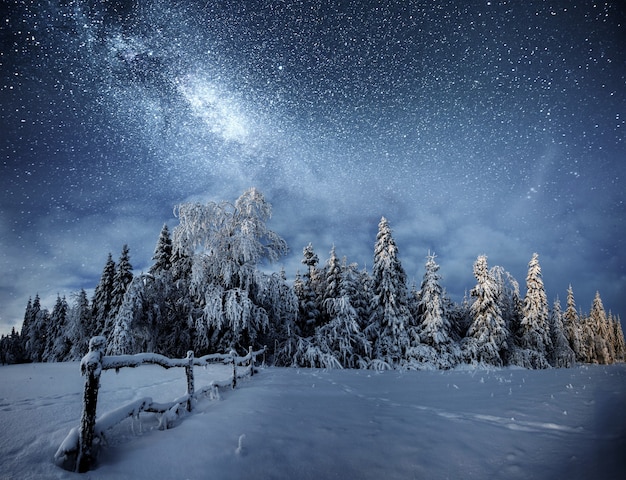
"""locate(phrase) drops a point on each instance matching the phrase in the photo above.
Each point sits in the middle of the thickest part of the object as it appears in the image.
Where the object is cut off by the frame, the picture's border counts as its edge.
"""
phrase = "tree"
(121, 280)
(81, 326)
(307, 288)
(229, 242)
(620, 344)
(102, 302)
(390, 313)
(572, 327)
(486, 339)
(599, 330)
(434, 326)
(332, 285)
(534, 328)
(162, 253)
(58, 344)
(561, 355)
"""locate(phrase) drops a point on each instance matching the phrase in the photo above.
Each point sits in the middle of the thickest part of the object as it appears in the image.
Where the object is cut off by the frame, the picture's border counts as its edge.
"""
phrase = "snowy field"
(316, 424)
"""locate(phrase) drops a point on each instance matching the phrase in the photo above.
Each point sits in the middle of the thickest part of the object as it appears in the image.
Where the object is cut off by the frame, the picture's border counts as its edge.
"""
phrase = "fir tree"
(434, 326)
(162, 253)
(486, 339)
(534, 327)
(121, 280)
(307, 288)
(561, 355)
(58, 344)
(102, 303)
(620, 344)
(390, 315)
(332, 285)
(572, 327)
(598, 326)
(81, 326)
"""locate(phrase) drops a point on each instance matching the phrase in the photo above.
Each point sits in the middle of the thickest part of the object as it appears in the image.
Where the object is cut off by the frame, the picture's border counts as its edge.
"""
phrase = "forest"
(206, 291)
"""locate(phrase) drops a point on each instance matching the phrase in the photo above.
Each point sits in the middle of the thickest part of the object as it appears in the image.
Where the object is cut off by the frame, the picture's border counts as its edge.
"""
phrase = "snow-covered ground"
(298, 423)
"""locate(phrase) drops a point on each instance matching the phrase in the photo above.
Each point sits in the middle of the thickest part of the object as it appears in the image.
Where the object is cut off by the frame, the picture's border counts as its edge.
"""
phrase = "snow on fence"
(78, 453)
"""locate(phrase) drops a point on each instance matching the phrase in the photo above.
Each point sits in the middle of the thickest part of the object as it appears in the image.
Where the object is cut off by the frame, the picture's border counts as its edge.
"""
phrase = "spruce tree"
(121, 280)
(434, 326)
(102, 302)
(81, 328)
(534, 327)
(561, 355)
(486, 339)
(390, 316)
(620, 344)
(162, 253)
(307, 288)
(58, 344)
(572, 326)
(599, 329)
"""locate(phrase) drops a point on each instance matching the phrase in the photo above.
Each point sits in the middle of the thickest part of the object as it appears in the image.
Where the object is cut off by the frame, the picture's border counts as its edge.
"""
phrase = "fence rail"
(77, 452)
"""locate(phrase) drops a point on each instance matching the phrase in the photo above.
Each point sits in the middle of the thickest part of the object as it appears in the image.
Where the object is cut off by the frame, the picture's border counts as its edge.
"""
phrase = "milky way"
(475, 127)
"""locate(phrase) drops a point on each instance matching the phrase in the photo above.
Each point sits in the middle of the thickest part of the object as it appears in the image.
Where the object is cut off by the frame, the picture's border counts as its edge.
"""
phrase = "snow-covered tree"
(80, 326)
(122, 278)
(599, 330)
(620, 344)
(572, 327)
(229, 243)
(58, 343)
(34, 330)
(122, 339)
(561, 354)
(162, 252)
(308, 289)
(534, 328)
(331, 284)
(434, 326)
(390, 314)
(486, 340)
(101, 303)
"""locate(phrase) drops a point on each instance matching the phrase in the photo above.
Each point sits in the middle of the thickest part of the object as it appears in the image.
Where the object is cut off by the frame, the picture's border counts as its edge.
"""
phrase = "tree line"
(206, 292)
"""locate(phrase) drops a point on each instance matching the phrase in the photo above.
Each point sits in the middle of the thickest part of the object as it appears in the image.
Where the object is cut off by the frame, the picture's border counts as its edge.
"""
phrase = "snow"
(309, 423)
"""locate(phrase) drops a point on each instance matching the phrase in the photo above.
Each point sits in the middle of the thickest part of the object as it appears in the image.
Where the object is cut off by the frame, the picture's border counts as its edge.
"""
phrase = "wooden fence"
(78, 452)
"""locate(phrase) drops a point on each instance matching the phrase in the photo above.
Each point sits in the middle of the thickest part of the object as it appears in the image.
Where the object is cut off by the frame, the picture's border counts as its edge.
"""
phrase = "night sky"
(488, 127)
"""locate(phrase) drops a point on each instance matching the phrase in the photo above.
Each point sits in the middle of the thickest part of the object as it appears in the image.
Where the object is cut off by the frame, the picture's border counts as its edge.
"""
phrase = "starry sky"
(479, 127)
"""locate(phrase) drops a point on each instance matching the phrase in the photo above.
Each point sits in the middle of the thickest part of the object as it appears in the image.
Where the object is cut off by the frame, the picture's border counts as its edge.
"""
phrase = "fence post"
(251, 361)
(90, 368)
(233, 354)
(190, 380)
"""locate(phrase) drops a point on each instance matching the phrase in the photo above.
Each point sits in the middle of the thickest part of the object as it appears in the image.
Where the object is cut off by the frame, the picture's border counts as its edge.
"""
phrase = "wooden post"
(190, 380)
(233, 354)
(90, 367)
(251, 361)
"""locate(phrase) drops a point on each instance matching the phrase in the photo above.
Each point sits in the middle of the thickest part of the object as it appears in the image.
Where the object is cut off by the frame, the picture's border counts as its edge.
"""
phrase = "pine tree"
(620, 344)
(121, 280)
(600, 331)
(331, 284)
(162, 253)
(57, 345)
(102, 303)
(572, 327)
(390, 315)
(81, 327)
(561, 356)
(486, 339)
(434, 326)
(307, 288)
(534, 327)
